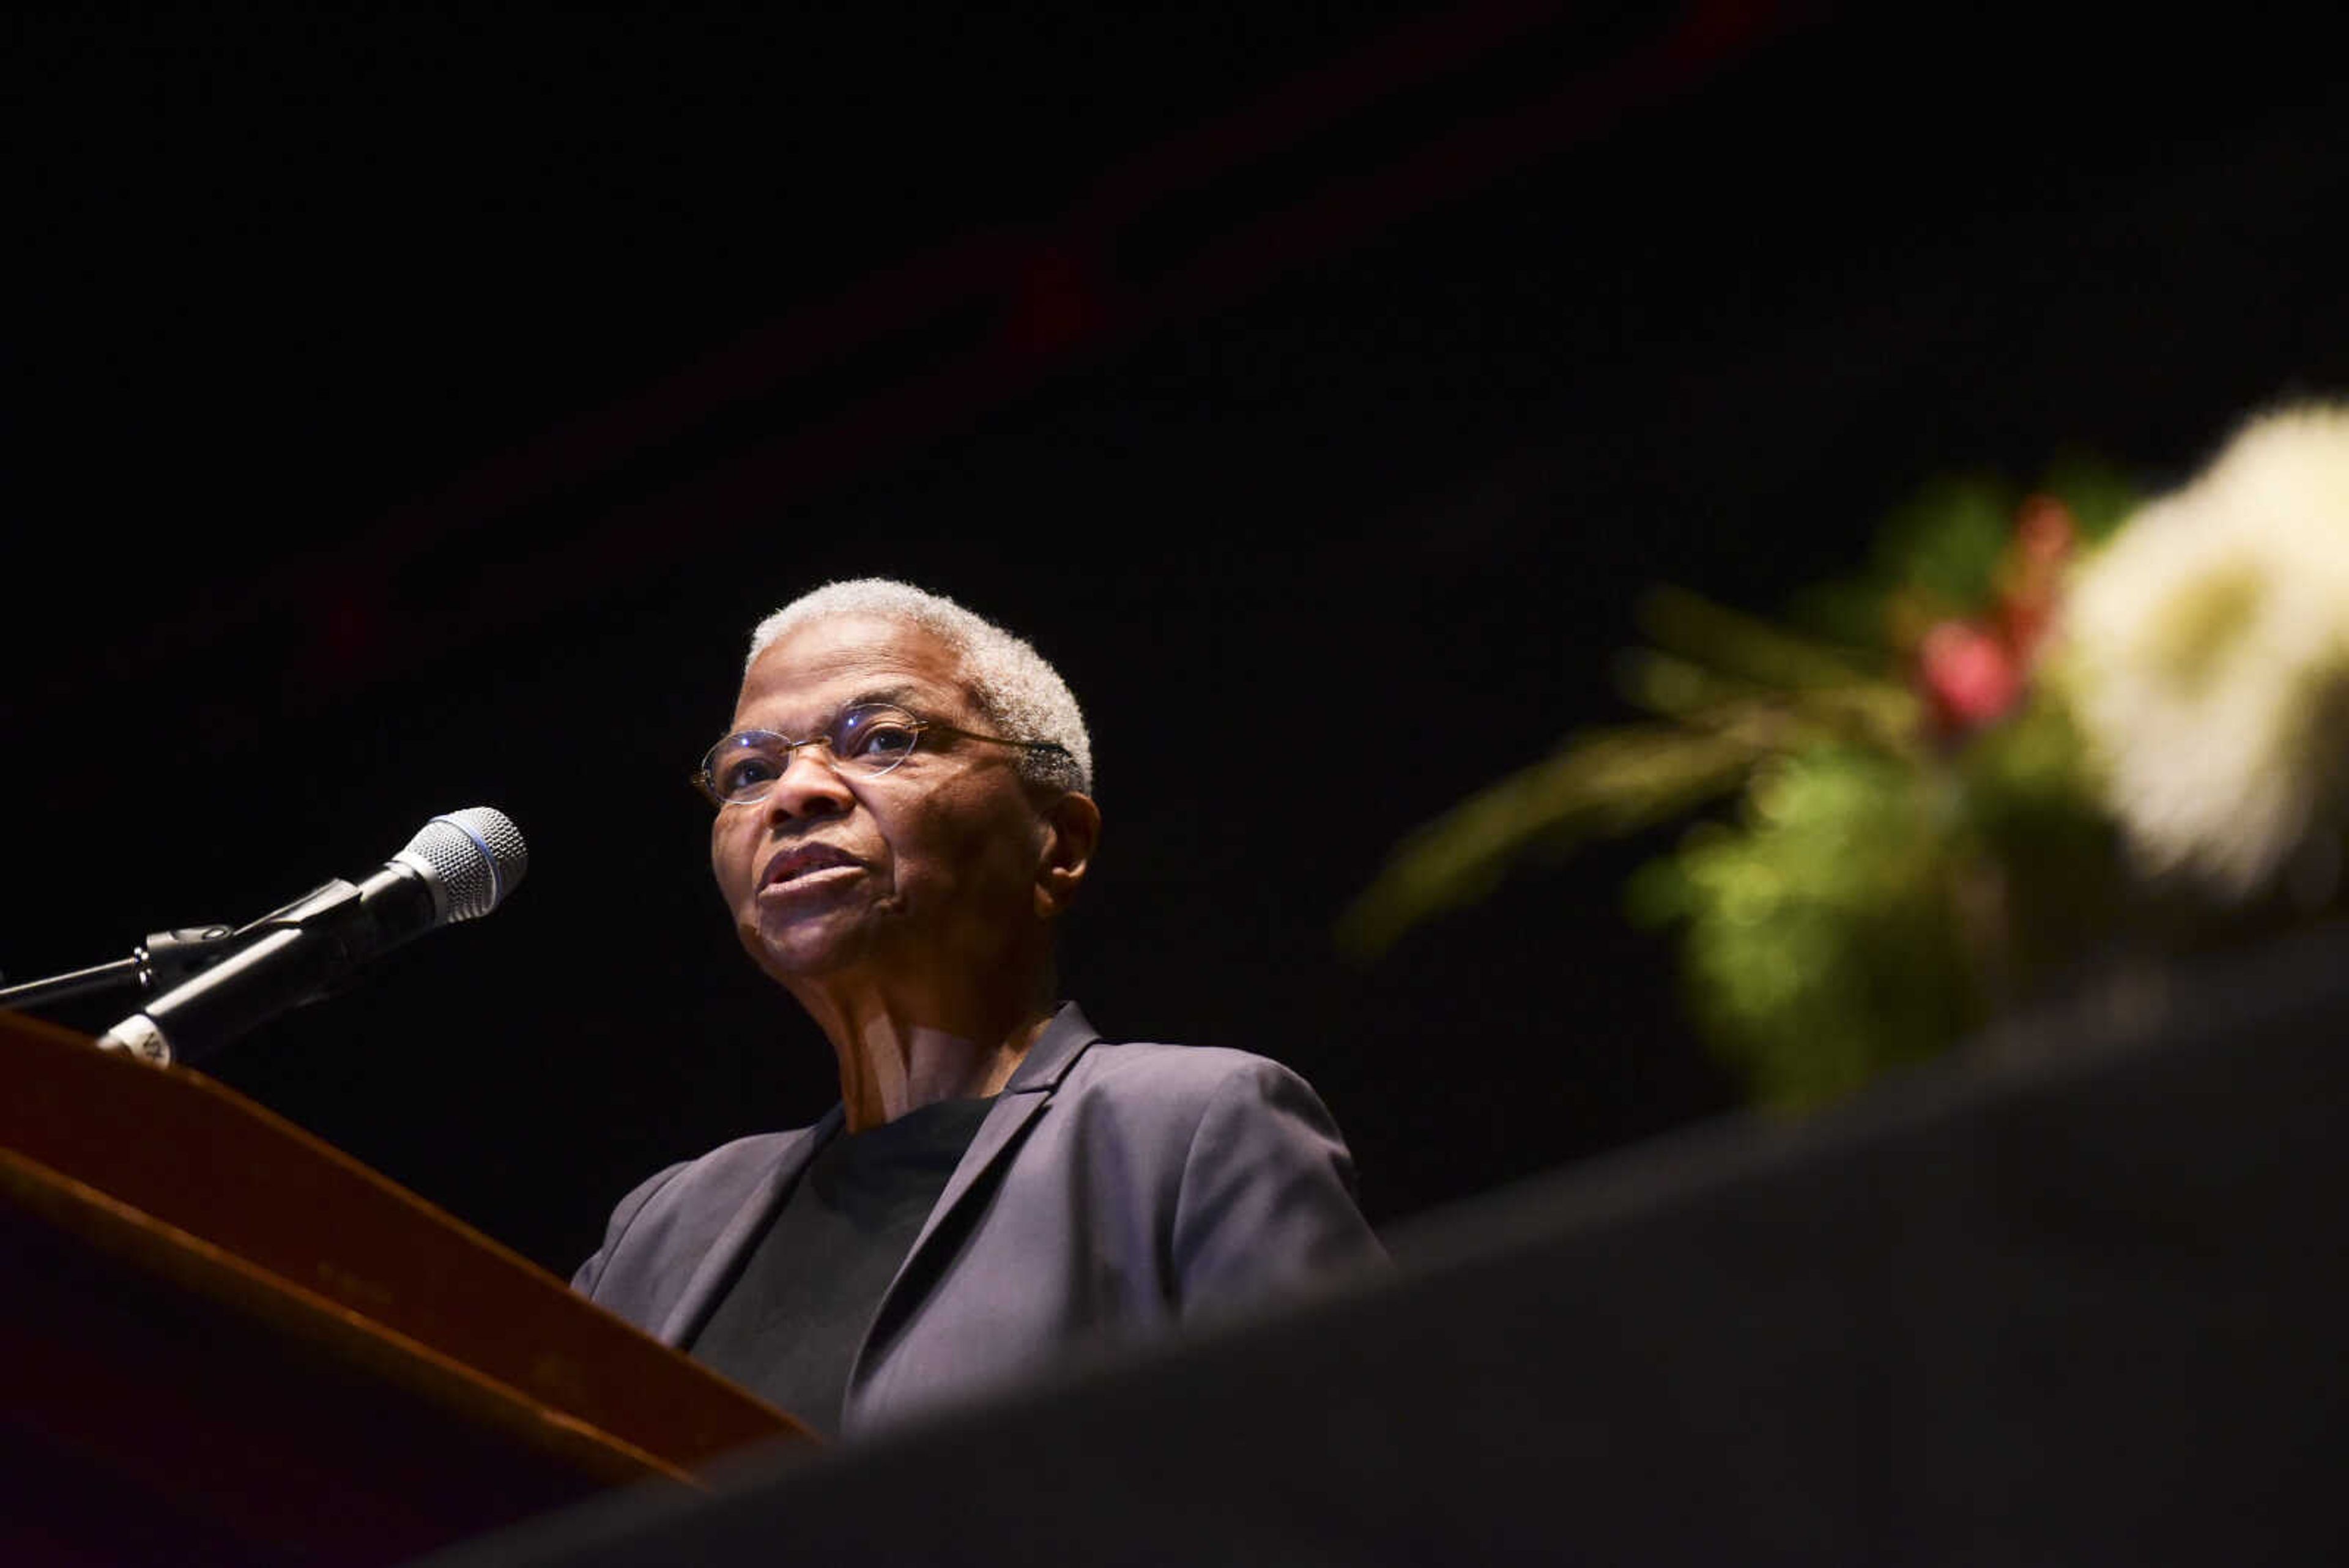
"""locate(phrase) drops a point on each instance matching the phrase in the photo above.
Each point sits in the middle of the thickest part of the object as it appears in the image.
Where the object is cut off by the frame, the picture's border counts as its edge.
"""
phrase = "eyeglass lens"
(871, 738)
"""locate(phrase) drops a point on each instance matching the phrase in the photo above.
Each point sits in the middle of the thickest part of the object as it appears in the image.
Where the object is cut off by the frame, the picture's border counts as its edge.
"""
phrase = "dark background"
(412, 411)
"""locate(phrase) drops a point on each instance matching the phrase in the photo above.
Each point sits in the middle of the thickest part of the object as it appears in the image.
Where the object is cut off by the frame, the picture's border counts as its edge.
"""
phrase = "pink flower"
(1969, 675)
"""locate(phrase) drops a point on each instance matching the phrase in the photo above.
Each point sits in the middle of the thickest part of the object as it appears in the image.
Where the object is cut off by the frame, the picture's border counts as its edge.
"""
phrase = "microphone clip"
(308, 950)
(163, 960)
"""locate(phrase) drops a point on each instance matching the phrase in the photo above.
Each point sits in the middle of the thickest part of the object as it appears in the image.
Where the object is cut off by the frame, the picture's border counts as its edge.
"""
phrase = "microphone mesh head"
(475, 857)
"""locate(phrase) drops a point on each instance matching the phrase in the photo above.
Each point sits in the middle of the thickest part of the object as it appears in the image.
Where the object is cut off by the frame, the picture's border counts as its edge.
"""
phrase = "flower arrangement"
(2041, 729)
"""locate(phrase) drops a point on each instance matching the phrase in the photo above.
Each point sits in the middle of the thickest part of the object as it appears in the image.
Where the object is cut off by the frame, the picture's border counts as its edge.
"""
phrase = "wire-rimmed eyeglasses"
(866, 738)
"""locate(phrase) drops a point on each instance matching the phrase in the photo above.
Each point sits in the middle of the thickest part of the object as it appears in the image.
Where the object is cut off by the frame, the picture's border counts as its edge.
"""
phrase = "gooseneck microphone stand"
(161, 961)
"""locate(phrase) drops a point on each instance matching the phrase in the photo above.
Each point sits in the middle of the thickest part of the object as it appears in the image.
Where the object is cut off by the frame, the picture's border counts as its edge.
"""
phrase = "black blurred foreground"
(2073, 1297)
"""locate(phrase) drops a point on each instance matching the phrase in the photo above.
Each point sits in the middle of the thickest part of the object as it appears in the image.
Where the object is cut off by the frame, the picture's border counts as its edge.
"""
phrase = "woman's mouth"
(806, 866)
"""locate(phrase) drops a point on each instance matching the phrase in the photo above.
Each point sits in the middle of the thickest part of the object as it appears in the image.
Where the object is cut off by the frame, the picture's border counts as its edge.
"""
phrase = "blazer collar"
(1056, 1050)
(716, 1267)
(1030, 1090)
(1047, 1061)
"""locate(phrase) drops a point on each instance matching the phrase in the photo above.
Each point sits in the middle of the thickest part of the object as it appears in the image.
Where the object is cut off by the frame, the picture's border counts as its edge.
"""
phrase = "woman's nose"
(810, 784)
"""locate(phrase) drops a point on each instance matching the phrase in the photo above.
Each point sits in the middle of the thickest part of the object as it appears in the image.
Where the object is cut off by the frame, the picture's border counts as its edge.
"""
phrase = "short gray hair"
(1021, 695)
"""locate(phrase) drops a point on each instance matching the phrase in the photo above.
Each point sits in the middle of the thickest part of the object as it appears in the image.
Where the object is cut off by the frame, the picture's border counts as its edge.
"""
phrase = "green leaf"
(1746, 647)
(2100, 494)
(1819, 937)
(1608, 782)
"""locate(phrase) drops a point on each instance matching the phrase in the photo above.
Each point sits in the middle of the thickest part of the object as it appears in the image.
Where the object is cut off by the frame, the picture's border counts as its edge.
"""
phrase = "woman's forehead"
(812, 669)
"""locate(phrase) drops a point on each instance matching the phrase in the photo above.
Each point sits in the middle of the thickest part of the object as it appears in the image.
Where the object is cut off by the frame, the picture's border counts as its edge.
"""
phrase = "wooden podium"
(228, 1343)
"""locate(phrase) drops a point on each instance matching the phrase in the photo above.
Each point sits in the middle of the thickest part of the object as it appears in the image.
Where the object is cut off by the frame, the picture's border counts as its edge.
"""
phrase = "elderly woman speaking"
(904, 816)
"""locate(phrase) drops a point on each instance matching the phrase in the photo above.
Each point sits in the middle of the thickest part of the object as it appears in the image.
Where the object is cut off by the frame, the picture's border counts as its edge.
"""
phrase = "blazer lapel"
(1022, 1099)
(750, 1222)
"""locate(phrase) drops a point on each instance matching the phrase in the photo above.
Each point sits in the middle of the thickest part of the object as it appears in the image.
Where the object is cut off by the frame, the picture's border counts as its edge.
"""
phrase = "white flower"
(2206, 650)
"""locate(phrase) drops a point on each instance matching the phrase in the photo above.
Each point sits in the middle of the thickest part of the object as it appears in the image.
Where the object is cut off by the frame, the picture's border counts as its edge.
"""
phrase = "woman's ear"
(1071, 830)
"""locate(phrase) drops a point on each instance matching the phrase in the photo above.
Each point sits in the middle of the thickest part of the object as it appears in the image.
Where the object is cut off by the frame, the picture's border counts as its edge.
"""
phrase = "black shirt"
(789, 1324)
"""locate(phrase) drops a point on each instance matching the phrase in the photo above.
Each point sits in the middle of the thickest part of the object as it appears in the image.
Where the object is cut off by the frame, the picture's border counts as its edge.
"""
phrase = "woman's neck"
(895, 1055)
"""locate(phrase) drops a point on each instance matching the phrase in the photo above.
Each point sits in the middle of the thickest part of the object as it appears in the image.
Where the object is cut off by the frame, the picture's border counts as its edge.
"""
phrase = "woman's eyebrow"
(895, 696)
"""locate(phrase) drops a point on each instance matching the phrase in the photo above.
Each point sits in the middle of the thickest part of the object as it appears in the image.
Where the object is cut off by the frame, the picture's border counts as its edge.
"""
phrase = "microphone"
(458, 867)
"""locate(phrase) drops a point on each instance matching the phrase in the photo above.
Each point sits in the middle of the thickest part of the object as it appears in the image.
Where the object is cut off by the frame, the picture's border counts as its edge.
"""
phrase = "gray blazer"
(1114, 1192)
